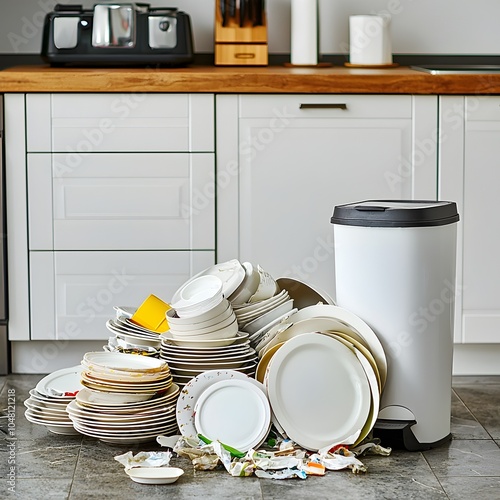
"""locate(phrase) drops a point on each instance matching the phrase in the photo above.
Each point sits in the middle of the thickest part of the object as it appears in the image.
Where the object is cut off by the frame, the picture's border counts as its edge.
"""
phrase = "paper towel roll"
(369, 39)
(304, 40)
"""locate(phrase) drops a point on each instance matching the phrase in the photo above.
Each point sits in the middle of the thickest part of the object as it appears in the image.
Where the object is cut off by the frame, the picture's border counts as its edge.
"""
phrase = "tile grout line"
(74, 470)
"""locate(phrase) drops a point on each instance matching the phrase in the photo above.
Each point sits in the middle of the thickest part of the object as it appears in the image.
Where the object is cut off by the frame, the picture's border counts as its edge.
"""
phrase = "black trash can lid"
(396, 213)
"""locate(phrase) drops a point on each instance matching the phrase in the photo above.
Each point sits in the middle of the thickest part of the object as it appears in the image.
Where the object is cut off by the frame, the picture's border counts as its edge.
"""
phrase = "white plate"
(258, 336)
(123, 362)
(318, 391)
(58, 383)
(235, 412)
(348, 323)
(231, 273)
(239, 343)
(126, 438)
(304, 294)
(267, 318)
(124, 311)
(85, 395)
(155, 475)
(193, 389)
(204, 343)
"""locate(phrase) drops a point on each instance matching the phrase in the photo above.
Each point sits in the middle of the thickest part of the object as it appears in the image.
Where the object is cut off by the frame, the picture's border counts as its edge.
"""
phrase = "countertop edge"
(240, 80)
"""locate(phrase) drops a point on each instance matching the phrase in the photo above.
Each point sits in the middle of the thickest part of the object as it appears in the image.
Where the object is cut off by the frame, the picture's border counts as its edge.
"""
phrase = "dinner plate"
(256, 338)
(231, 273)
(262, 365)
(235, 412)
(193, 389)
(205, 343)
(123, 362)
(318, 391)
(127, 437)
(169, 354)
(349, 323)
(60, 383)
(360, 347)
(239, 343)
(85, 400)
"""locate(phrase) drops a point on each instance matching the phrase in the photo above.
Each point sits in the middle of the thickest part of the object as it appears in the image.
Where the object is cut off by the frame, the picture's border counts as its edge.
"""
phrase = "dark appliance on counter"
(117, 34)
(4, 342)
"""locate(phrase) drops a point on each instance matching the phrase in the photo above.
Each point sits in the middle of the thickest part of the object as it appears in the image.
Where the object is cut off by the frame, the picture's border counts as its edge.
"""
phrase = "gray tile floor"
(49, 466)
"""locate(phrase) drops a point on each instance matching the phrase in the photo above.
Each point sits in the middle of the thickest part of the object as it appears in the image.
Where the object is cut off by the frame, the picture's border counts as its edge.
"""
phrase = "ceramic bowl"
(248, 286)
(205, 317)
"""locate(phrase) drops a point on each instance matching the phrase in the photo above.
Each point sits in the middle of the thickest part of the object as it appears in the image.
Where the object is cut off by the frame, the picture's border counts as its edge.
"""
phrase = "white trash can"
(395, 269)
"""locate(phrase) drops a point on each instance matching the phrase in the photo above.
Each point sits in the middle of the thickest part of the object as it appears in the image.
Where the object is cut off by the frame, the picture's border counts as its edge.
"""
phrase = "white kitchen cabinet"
(300, 155)
(470, 174)
(112, 184)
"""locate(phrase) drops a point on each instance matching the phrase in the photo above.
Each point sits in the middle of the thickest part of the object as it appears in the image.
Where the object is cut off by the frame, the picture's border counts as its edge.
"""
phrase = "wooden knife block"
(240, 46)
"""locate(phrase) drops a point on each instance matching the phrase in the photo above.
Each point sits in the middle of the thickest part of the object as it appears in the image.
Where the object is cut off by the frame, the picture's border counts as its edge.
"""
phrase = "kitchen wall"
(418, 26)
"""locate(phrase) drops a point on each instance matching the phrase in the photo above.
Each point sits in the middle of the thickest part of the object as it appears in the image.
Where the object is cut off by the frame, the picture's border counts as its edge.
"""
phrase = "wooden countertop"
(269, 79)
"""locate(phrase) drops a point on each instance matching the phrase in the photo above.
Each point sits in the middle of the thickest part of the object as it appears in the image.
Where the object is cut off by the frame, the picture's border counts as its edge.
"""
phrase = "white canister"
(304, 33)
(369, 40)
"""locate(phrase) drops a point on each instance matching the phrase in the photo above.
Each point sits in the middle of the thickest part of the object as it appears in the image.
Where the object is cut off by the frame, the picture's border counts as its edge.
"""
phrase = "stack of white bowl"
(201, 312)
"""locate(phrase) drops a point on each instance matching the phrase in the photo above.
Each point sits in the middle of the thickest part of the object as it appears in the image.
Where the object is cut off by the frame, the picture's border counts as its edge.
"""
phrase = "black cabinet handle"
(339, 105)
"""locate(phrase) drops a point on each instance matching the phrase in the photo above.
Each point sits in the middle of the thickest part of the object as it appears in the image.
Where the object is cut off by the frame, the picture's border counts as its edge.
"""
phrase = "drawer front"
(482, 108)
(73, 293)
(81, 124)
(153, 201)
(283, 108)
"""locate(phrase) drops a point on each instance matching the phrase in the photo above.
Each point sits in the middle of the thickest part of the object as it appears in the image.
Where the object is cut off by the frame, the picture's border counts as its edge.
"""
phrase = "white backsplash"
(418, 26)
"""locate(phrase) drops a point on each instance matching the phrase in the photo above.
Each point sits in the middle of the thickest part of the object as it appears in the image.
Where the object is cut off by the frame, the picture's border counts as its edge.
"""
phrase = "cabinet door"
(121, 201)
(79, 124)
(299, 156)
(73, 293)
(470, 173)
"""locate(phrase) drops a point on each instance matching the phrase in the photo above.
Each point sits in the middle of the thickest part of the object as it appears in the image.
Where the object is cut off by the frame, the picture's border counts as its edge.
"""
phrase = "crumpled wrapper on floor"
(145, 459)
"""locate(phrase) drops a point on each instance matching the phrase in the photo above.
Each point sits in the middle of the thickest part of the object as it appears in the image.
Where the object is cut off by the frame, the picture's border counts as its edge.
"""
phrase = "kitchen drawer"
(82, 124)
(134, 201)
(282, 108)
(72, 294)
(481, 108)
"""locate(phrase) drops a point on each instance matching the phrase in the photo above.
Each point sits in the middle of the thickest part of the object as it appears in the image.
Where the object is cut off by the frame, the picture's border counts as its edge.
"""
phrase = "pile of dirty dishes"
(48, 400)
(339, 401)
(138, 330)
(126, 398)
(225, 405)
(187, 360)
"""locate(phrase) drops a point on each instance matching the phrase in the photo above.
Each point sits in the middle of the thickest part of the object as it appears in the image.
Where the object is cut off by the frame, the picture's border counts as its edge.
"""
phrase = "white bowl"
(228, 331)
(174, 319)
(267, 287)
(247, 287)
(155, 475)
(198, 296)
(194, 332)
(187, 324)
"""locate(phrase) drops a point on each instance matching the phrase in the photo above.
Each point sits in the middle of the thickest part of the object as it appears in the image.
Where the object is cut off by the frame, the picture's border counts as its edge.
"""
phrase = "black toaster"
(117, 34)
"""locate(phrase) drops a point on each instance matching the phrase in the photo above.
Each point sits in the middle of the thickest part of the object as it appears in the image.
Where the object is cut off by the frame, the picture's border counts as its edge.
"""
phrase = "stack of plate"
(135, 395)
(339, 402)
(124, 422)
(117, 375)
(188, 359)
(131, 338)
(47, 402)
(225, 405)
